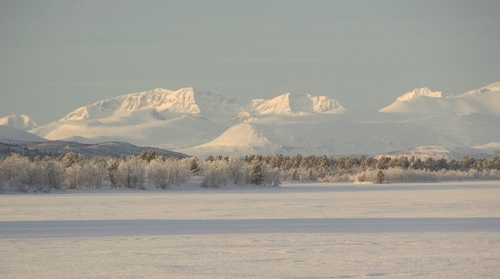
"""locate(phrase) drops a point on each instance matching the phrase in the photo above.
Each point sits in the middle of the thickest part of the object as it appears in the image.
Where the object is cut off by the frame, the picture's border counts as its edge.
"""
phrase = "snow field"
(344, 255)
(434, 251)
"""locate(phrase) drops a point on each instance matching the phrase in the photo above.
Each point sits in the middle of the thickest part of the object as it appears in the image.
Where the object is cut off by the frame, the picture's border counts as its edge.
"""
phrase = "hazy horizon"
(58, 56)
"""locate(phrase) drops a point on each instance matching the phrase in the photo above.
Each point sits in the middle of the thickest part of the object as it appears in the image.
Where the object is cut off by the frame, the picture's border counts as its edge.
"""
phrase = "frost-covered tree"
(157, 173)
(22, 173)
(54, 174)
(74, 176)
(147, 155)
(131, 172)
(271, 176)
(11, 166)
(380, 177)
(179, 171)
(112, 171)
(86, 173)
(71, 158)
(256, 176)
(41, 174)
(194, 166)
(237, 170)
(94, 172)
(214, 174)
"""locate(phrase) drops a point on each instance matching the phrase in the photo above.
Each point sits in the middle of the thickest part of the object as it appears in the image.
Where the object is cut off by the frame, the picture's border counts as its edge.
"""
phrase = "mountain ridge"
(485, 100)
(295, 104)
(205, 122)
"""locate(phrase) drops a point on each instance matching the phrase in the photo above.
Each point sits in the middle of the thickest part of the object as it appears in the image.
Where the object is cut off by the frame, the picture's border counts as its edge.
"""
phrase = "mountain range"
(202, 123)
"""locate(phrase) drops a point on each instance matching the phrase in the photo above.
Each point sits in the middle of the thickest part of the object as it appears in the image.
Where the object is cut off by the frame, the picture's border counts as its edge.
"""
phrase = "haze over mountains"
(202, 123)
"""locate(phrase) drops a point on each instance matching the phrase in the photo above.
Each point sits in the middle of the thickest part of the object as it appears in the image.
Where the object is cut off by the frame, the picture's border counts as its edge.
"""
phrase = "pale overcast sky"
(56, 56)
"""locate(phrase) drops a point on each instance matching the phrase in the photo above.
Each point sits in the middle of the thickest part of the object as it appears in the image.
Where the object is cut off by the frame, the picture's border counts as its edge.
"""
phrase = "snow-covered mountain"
(201, 123)
(160, 117)
(342, 136)
(174, 119)
(424, 152)
(21, 122)
(418, 118)
(484, 100)
(162, 104)
(11, 133)
(296, 104)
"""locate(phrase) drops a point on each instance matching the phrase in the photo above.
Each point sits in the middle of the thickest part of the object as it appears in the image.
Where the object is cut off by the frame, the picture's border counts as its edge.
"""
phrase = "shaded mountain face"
(202, 123)
(8, 133)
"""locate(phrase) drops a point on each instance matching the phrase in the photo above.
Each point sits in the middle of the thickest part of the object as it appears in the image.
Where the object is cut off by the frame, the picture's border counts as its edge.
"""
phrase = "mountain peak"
(424, 91)
(494, 87)
(21, 122)
(293, 104)
(485, 100)
(205, 122)
(161, 100)
(420, 100)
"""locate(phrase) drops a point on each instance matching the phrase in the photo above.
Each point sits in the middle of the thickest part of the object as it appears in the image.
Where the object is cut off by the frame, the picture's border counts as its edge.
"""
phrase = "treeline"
(75, 171)
(378, 170)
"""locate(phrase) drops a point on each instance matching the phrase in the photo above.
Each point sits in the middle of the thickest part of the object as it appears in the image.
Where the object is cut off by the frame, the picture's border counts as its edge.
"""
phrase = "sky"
(57, 56)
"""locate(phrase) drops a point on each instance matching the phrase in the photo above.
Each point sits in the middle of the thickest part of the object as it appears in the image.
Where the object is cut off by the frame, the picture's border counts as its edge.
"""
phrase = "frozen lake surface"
(438, 230)
(86, 228)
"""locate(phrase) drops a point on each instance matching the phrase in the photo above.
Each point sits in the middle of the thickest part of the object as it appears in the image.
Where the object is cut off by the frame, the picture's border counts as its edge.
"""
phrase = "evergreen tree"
(380, 177)
(256, 176)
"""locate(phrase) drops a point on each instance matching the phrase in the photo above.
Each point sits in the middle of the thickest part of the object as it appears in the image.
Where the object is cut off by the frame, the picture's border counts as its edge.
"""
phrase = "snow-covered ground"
(432, 230)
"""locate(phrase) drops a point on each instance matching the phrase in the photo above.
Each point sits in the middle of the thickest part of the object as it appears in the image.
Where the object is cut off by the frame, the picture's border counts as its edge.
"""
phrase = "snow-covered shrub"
(271, 176)
(290, 175)
(392, 175)
(360, 178)
(337, 178)
(491, 174)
